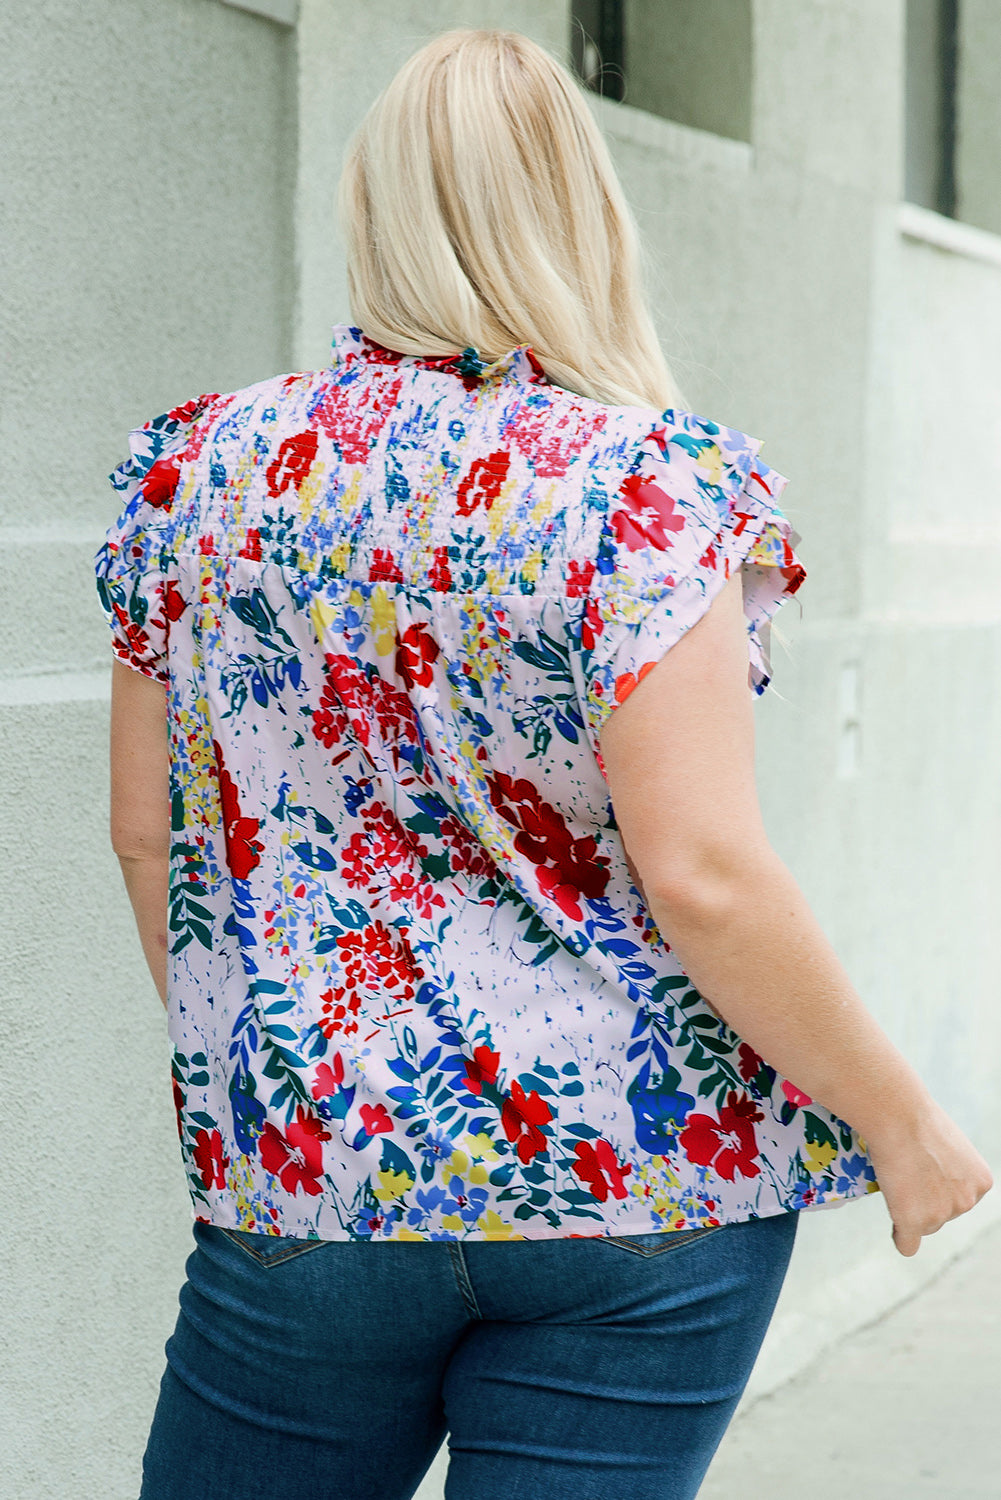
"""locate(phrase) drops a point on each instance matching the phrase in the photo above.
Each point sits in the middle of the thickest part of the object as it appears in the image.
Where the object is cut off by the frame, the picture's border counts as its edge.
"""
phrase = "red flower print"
(647, 515)
(550, 438)
(480, 1069)
(439, 575)
(353, 415)
(340, 1007)
(209, 1158)
(138, 641)
(251, 545)
(376, 1120)
(522, 1117)
(243, 849)
(592, 625)
(178, 1093)
(384, 567)
(483, 483)
(628, 681)
(792, 571)
(390, 844)
(416, 651)
(387, 846)
(566, 868)
(160, 483)
(465, 851)
(328, 1079)
(174, 603)
(296, 1158)
(794, 1095)
(749, 1062)
(356, 866)
(293, 462)
(187, 413)
(579, 579)
(351, 700)
(420, 893)
(600, 1168)
(376, 964)
(728, 1144)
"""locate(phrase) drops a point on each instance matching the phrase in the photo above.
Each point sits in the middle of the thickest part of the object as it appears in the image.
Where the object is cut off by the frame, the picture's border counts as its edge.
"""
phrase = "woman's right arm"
(679, 758)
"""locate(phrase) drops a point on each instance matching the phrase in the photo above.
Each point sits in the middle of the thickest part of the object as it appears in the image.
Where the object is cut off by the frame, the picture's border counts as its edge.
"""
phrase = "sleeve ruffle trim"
(698, 505)
(129, 565)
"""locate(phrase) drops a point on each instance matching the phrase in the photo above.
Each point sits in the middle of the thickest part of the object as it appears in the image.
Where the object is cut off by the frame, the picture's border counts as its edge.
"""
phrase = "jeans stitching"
(675, 1241)
(279, 1258)
(461, 1273)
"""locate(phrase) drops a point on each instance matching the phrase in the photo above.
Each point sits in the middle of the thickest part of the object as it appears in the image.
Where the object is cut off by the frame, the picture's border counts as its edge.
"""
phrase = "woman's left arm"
(140, 807)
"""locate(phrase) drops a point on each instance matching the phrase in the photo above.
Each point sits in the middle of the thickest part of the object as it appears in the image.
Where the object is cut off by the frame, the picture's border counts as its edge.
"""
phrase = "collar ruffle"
(519, 365)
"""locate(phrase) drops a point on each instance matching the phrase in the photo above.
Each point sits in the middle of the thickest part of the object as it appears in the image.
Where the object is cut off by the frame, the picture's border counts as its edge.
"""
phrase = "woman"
(506, 1051)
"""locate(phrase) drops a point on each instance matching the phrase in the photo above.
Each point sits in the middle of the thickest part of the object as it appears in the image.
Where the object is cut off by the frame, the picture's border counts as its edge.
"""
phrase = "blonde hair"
(480, 208)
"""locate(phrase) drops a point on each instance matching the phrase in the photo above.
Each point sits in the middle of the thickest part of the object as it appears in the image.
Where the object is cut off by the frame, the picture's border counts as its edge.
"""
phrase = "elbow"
(702, 895)
(136, 843)
(694, 902)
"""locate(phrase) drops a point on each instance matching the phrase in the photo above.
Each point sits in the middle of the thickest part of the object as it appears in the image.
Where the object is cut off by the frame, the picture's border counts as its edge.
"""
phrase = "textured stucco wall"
(149, 171)
(151, 229)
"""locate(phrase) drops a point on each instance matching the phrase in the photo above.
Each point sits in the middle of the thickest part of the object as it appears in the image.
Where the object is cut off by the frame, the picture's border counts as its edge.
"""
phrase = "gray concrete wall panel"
(978, 121)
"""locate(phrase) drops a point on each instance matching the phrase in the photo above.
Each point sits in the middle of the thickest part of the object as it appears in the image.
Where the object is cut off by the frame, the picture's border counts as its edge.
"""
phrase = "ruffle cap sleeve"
(698, 504)
(132, 565)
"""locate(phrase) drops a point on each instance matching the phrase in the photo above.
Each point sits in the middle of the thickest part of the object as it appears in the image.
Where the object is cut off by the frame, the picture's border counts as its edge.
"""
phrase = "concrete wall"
(978, 123)
(149, 166)
(153, 258)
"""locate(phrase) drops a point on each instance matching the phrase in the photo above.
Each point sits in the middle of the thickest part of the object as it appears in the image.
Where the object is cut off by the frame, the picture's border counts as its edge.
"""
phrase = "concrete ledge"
(285, 12)
(55, 687)
(681, 145)
(923, 224)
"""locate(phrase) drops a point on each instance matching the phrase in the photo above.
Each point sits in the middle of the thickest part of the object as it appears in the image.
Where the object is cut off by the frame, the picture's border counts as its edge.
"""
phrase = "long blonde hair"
(480, 207)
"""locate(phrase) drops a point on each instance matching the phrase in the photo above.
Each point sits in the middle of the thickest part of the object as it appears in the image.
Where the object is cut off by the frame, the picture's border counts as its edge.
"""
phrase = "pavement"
(908, 1408)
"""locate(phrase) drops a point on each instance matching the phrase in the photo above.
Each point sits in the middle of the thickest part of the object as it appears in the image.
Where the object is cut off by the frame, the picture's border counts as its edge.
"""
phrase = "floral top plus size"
(414, 992)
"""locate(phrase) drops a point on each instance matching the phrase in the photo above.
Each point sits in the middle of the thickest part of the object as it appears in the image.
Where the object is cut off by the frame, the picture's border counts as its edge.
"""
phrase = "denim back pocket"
(659, 1241)
(270, 1249)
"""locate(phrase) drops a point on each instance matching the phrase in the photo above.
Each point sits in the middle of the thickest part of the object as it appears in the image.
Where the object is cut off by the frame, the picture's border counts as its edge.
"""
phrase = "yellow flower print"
(401, 1232)
(546, 504)
(653, 1184)
(309, 489)
(498, 512)
(494, 1227)
(383, 621)
(818, 1156)
(392, 1185)
(339, 557)
(456, 1166)
(481, 1147)
(452, 1221)
(711, 459)
(322, 614)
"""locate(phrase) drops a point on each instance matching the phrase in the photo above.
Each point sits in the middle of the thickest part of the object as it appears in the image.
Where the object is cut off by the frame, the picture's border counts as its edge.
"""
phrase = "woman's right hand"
(929, 1173)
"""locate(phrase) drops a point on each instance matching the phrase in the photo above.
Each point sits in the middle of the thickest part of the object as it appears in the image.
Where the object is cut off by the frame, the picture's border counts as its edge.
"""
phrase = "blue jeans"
(570, 1369)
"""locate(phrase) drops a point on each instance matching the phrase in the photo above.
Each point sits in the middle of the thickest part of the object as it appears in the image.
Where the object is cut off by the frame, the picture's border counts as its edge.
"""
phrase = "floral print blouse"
(414, 992)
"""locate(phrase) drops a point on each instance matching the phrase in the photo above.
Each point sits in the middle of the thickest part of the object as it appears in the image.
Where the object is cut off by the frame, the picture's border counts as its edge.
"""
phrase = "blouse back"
(414, 992)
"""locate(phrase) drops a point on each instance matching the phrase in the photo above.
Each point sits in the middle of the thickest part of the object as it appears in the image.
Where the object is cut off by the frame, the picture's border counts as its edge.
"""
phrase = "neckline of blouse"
(518, 365)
